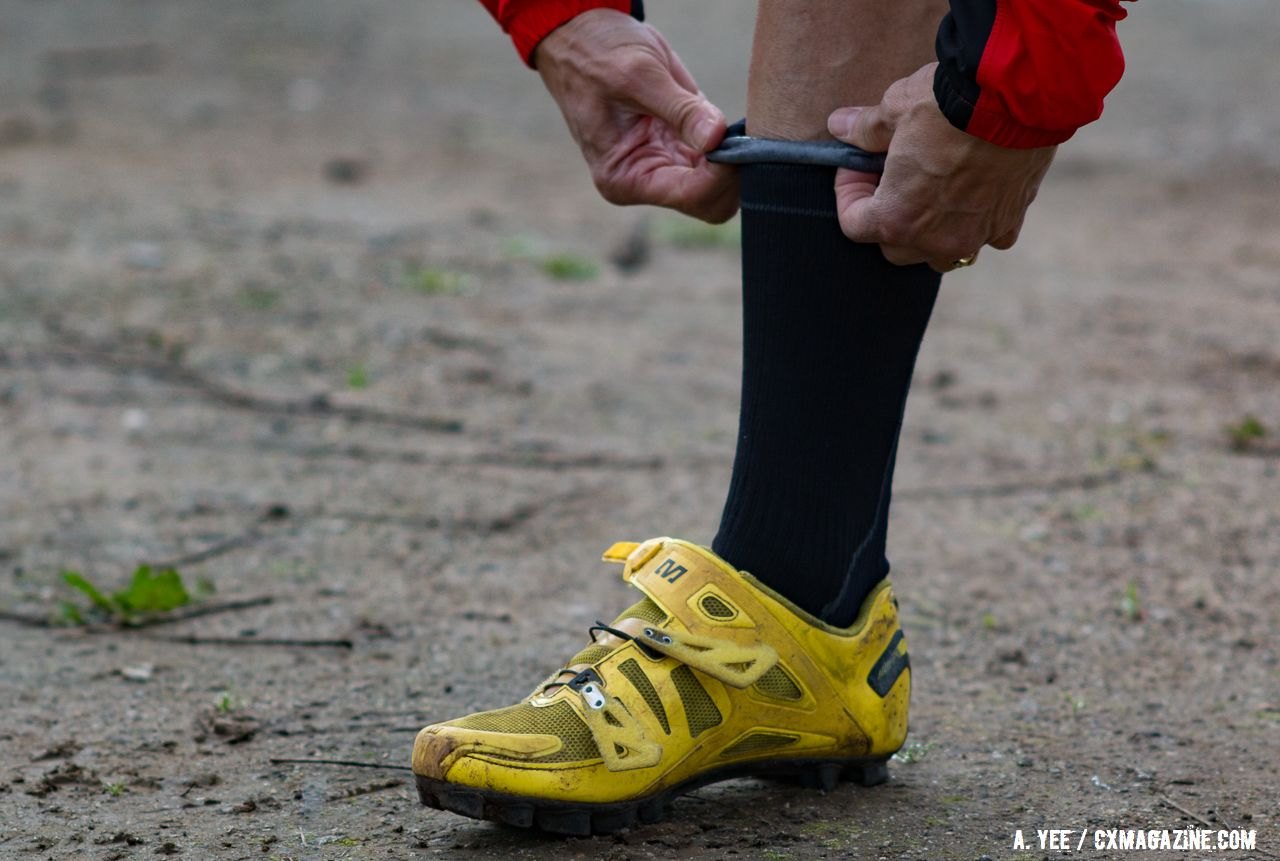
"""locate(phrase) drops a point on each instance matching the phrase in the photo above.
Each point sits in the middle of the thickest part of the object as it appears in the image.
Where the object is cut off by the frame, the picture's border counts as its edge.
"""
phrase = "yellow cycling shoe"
(712, 676)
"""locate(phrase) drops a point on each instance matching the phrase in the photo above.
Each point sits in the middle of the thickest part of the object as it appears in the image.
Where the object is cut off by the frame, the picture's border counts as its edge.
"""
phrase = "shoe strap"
(620, 737)
(735, 664)
(738, 662)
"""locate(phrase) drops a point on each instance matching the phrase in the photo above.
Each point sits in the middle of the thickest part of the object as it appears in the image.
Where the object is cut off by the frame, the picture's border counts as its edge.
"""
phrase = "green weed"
(570, 267)
(439, 282)
(149, 592)
(259, 298)
(1130, 605)
(113, 789)
(1245, 433)
(357, 377)
(521, 247)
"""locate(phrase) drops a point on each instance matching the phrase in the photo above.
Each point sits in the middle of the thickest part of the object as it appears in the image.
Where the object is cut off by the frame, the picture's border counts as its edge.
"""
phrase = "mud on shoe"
(710, 676)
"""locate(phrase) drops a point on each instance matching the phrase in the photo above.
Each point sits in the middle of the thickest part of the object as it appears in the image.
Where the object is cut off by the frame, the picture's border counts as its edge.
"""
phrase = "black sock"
(831, 332)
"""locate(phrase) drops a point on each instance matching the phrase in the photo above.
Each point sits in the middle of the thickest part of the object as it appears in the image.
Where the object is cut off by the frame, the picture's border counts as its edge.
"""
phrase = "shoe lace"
(555, 680)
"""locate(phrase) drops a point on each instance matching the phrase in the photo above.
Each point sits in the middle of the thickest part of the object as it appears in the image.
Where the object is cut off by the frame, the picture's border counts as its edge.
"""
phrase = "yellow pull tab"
(619, 551)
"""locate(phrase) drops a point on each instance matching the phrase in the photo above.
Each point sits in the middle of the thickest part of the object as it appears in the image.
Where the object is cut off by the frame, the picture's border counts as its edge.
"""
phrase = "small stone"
(137, 673)
(346, 171)
(134, 420)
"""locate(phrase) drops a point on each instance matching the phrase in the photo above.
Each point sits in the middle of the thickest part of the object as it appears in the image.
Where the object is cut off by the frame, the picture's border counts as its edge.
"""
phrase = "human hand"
(637, 115)
(944, 193)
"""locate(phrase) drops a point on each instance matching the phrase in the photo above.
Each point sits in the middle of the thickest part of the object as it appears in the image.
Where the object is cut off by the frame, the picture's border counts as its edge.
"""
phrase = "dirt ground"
(313, 300)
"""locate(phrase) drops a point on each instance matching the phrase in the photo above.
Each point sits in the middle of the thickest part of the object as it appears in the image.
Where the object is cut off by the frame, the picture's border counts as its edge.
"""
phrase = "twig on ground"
(1012, 488)
(193, 640)
(1221, 823)
(357, 791)
(251, 535)
(284, 760)
(235, 542)
(24, 619)
(548, 461)
(78, 349)
(194, 612)
(1184, 811)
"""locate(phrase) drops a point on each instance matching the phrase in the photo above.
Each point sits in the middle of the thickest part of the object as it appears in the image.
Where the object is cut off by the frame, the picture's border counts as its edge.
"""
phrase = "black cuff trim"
(962, 40)
(956, 108)
(789, 189)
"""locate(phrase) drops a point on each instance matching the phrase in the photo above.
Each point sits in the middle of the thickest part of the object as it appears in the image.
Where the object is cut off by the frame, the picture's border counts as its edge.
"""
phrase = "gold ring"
(968, 260)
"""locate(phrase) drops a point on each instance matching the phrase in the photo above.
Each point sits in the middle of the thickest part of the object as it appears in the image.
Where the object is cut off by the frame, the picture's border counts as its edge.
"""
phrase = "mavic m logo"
(670, 571)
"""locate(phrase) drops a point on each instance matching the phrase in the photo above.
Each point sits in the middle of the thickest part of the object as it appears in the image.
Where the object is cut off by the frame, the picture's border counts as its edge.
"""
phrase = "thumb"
(698, 123)
(870, 128)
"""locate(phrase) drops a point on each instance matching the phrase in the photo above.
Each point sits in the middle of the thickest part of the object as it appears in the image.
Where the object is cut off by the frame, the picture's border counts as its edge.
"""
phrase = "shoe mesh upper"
(631, 669)
(777, 683)
(716, 608)
(699, 708)
(759, 741)
(561, 720)
(558, 719)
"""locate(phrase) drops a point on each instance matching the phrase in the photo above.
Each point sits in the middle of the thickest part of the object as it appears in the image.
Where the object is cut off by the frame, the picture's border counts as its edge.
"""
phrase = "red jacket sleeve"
(528, 22)
(1027, 73)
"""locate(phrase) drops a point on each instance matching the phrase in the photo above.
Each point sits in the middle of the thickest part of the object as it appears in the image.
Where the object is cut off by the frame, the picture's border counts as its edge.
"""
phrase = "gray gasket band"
(740, 148)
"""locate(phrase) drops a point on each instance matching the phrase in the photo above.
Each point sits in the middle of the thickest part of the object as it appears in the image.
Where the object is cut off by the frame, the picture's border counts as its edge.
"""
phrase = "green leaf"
(69, 614)
(568, 267)
(76, 580)
(439, 282)
(152, 592)
(1245, 432)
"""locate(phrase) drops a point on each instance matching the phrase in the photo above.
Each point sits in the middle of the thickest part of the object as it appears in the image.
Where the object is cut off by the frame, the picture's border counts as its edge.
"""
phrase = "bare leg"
(813, 56)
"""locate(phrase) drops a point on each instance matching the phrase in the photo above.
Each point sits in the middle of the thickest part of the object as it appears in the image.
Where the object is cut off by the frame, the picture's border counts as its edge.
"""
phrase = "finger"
(868, 128)
(856, 204)
(946, 264)
(1007, 240)
(699, 123)
(708, 191)
(1004, 243)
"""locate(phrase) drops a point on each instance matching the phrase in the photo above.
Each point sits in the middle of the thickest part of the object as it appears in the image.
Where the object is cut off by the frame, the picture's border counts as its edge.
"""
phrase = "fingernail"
(840, 123)
(704, 132)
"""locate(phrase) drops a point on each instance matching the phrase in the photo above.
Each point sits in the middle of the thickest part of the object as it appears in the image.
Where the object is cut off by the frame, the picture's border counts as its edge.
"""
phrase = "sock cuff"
(789, 189)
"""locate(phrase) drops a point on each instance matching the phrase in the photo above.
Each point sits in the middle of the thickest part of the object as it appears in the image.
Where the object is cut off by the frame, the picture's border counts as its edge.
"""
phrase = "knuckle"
(684, 110)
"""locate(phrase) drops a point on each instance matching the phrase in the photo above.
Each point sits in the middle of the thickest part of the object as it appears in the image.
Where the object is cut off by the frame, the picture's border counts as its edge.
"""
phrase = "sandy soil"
(274, 308)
